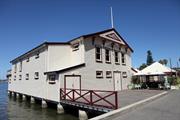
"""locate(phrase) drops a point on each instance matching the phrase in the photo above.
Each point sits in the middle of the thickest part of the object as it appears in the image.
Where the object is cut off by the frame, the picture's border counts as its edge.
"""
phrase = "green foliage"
(135, 80)
(149, 60)
(163, 61)
(142, 66)
(174, 80)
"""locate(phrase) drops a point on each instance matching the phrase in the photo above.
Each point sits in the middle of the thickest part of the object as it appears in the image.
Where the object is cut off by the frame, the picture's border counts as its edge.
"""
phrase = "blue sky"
(145, 24)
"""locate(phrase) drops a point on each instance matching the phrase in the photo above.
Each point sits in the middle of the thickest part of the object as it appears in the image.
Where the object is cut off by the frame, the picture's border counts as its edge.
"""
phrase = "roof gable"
(112, 35)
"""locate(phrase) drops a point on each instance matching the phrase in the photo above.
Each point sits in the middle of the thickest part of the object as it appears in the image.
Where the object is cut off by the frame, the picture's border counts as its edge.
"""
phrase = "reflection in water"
(16, 109)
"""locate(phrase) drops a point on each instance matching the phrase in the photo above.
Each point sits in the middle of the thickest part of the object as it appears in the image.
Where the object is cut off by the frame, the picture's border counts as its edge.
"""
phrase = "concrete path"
(128, 97)
(164, 108)
(130, 100)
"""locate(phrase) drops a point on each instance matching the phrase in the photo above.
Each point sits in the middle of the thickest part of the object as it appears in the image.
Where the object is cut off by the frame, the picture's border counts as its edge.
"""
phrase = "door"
(117, 81)
(72, 82)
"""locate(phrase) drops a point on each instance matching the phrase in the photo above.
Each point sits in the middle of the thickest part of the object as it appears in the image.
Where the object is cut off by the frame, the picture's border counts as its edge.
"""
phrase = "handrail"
(91, 97)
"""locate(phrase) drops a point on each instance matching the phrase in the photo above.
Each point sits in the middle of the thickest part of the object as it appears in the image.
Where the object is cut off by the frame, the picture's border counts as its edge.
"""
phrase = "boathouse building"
(97, 61)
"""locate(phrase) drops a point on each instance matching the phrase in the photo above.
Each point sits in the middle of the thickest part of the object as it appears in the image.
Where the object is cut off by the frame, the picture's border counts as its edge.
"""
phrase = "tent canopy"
(155, 69)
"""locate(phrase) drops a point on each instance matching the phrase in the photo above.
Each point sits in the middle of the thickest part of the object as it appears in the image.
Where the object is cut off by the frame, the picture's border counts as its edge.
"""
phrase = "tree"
(163, 61)
(149, 58)
(142, 66)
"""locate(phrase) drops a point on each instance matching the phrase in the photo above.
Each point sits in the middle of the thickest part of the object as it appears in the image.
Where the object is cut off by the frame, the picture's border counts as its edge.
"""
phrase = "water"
(15, 109)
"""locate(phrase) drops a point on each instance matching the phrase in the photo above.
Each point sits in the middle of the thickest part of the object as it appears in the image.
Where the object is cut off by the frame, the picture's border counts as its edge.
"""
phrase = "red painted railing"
(100, 98)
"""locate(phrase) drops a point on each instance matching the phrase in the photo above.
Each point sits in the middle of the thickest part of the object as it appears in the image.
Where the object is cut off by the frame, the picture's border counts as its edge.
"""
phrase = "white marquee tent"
(155, 69)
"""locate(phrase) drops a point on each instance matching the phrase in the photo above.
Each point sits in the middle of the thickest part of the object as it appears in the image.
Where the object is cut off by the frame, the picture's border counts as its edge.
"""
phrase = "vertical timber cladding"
(72, 82)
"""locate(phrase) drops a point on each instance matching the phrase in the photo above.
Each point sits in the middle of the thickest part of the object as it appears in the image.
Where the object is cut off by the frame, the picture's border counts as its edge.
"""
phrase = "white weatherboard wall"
(88, 73)
(32, 86)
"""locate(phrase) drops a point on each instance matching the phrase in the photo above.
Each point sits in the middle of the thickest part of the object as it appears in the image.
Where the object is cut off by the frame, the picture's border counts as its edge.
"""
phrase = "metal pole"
(112, 23)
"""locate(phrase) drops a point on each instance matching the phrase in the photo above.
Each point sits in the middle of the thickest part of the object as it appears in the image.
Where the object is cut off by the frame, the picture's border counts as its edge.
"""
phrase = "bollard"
(32, 100)
(60, 109)
(23, 97)
(82, 115)
(43, 104)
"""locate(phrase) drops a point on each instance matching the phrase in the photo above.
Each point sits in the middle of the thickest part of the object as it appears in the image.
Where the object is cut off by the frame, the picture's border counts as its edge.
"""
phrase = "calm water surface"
(12, 109)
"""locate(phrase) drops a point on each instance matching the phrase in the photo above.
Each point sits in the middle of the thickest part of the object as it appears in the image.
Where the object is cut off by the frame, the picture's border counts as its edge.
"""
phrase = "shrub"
(135, 80)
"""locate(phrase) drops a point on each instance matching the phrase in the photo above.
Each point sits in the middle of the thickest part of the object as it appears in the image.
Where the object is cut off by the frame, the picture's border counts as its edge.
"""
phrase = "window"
(75, 46)
(20, 67)
(108, 74)
(98, 54)
(108, 56)
(37, 55)
(52, 79)
(36, 75)
(27, 60)
(14, 78)
(124, 74)
(27, 76)
(15, 68)
(123, 59)
(99, 74)
(20, 77)
(116, 55)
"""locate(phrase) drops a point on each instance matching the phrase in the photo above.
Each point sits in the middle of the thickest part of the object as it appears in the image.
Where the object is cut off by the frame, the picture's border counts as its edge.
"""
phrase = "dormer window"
(75, 46)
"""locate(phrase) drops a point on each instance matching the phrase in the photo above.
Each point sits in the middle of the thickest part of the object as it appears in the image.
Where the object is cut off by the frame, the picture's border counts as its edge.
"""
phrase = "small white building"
(98, 61)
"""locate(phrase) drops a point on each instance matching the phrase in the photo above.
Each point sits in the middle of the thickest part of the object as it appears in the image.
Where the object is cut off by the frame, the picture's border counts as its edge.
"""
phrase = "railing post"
(116, 100)
(73, 94)
(60, 94)
(91, 97)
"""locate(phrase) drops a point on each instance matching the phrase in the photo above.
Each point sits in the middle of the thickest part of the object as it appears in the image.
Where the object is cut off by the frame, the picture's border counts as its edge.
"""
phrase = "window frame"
(123, 59)
(15, 67)
(75, 46)
(109, 76)
(20, 66)
(27, 76)
(28, 59)
(109, 55)
(99, 76)
(14, 77)
(124, 74)
(20, 77)
(36, 75)
(118, 57)
(37, 55)
(100, 54)
(50, 80)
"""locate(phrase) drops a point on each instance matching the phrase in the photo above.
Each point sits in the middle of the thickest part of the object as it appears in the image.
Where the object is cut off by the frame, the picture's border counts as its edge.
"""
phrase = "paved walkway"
(128, 97)
(165, 108)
